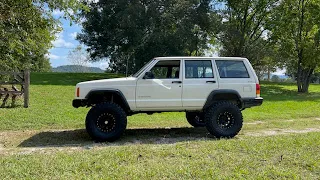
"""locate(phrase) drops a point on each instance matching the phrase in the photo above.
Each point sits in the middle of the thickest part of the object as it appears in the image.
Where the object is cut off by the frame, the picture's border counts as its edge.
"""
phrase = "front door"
(164, 90)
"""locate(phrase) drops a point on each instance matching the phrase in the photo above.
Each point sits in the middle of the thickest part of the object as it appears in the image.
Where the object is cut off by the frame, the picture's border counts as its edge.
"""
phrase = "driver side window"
(166, 70)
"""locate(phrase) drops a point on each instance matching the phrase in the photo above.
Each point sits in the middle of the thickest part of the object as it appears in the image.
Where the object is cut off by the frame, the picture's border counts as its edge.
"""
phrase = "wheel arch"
(223, 94)
(113, 95)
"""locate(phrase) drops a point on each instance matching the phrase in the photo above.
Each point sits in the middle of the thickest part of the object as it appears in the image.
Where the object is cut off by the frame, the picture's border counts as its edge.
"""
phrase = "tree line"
(27, 28)
(270, 33)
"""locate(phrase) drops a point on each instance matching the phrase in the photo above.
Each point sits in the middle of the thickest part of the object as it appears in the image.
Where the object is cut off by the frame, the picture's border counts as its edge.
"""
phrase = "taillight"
(258, 90)
(78, 92)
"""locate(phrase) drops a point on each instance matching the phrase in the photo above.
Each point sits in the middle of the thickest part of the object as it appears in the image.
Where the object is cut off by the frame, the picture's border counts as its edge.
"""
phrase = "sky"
(65, 42)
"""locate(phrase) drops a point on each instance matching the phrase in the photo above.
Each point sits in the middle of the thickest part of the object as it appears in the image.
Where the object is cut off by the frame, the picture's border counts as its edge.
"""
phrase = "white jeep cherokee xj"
(211, 90)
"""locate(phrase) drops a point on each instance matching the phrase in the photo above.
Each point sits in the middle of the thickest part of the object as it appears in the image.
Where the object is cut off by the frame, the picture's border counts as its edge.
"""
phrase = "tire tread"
(98, 135)
(210, 117)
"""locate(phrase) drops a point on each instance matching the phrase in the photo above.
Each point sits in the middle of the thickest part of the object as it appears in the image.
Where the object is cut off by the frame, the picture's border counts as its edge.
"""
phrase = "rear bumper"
(79, 103)
(250, 102)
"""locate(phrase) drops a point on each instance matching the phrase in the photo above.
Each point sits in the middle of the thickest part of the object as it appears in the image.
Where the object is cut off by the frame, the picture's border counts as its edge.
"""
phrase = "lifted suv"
(211, 90)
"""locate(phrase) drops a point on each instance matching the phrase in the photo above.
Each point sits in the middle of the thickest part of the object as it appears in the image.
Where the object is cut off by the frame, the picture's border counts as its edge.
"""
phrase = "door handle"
(211, 82)
(178, 82)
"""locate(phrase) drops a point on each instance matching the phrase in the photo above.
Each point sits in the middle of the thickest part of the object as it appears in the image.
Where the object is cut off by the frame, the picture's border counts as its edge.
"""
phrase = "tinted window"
(198, 69)
(166, 70)
(232, 69)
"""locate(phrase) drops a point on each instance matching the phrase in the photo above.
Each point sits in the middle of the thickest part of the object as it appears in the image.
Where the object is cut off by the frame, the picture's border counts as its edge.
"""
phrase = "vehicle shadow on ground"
(78, 138)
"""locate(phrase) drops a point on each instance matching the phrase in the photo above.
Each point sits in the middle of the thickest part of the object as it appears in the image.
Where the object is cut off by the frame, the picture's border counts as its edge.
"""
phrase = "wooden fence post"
(26, 88)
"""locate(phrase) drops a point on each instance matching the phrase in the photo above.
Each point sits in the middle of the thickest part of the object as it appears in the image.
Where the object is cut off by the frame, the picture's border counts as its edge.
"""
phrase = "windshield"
(141, 70)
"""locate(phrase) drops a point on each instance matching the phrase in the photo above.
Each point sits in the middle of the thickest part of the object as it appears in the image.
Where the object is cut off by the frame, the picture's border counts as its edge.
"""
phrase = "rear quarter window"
(232, 69)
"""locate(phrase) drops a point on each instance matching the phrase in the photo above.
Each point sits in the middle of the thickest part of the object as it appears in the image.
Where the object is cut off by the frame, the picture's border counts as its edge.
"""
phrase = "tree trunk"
(304, 79)
(300, 73)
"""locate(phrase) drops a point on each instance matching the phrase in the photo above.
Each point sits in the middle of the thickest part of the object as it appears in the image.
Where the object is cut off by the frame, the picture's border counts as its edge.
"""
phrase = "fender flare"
(210, 100)
(115, 91)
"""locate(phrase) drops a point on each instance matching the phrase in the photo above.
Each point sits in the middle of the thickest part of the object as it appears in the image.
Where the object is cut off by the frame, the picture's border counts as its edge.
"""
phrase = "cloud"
(73, 35)
(94, 1)
(53, 57)
(104, 65)
(280, 72)
(61, 43)
(57, 13)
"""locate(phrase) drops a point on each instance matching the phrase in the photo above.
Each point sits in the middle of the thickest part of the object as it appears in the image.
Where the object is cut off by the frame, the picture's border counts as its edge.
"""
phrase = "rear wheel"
(223, 119)
(106, 122)
(195, 119)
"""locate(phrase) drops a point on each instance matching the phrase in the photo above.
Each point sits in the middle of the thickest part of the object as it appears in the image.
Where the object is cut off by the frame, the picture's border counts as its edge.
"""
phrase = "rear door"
(199, 80)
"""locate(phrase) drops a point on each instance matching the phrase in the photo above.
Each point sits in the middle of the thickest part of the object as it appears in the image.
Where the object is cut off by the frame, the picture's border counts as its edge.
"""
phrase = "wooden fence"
(9, 88)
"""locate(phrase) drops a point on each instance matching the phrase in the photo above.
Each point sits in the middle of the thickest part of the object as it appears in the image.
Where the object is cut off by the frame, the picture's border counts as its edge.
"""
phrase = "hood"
(108, 82)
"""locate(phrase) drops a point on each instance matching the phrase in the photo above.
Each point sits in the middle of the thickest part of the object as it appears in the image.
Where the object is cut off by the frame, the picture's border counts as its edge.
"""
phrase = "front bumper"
(250, 102)
(79, 103)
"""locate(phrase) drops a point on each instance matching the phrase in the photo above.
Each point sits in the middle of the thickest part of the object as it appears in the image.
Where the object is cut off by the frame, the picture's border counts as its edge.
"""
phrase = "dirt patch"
(53, 141)
(281, 132)
(255, 123)
(290, 120)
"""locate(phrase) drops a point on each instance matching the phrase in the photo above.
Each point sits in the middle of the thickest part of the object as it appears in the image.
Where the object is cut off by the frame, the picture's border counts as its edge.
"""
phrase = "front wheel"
(106, 122)
(223, 119)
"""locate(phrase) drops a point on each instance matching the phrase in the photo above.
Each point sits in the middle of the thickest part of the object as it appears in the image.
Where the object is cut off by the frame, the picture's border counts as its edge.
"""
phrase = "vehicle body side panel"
(246, 87)
(127, 86)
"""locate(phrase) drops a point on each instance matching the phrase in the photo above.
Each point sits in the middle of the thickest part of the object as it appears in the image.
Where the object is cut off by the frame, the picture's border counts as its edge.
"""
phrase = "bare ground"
(52, 141)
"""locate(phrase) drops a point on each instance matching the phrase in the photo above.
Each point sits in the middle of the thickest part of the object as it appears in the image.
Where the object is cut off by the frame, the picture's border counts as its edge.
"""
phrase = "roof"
(198, 58)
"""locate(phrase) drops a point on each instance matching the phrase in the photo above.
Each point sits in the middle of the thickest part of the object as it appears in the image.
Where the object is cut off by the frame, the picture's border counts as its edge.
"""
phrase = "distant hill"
(77, 68)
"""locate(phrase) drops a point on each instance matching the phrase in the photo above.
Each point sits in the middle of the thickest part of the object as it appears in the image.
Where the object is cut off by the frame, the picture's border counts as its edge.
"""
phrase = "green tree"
(132, 32)
(296, 30)
(27, 29)
(243, 25)
(263, 58)
(315, 78)
(243, 32)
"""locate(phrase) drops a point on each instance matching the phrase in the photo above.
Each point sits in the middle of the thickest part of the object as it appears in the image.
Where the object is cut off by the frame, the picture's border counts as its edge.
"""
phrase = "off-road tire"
(195, 119)
(106, 122)
(223, 119)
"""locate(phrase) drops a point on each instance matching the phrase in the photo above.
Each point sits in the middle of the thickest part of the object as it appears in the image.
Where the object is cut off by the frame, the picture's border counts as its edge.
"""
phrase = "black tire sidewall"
(211, 118)
(96, 111)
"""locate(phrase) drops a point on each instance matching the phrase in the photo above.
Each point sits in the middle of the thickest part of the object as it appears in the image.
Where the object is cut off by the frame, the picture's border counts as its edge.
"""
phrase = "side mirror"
(148, 75)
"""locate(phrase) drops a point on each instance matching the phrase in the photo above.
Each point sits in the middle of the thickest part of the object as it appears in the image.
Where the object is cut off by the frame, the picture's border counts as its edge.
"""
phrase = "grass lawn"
(280, 139)
(281, 157)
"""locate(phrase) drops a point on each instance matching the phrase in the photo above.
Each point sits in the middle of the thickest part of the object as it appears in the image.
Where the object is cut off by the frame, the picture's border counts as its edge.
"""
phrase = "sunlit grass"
(280, 157)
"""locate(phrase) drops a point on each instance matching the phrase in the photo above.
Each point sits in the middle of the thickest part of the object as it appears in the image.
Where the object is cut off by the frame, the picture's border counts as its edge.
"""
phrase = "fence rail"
(19, 78)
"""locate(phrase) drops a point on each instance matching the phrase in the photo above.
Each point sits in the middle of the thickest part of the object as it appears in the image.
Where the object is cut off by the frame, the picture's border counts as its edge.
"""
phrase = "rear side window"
(198, 69)
(232, 69)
